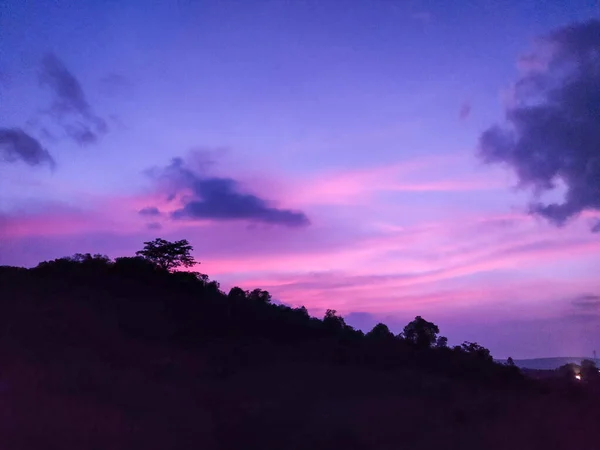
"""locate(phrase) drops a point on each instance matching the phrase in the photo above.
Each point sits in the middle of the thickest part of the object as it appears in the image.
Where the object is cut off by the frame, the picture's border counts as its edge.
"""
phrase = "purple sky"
(338, 156)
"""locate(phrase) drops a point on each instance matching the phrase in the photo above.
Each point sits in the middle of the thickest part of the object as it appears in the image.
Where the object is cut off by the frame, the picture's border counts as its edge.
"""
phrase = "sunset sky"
(383, 158)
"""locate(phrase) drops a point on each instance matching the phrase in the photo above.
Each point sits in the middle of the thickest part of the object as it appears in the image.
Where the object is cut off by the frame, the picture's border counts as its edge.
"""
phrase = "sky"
(382, 158)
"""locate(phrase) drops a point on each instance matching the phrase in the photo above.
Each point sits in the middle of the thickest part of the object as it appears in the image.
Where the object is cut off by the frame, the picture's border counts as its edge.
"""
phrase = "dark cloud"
(220, 198)
(552, 133)
(70, 107)
(17, 145)
(150, 211)
(465, 111)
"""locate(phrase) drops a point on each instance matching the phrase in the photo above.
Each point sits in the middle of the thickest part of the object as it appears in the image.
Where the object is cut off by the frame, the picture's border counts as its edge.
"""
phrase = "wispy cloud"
(354, 186)
(70, 107)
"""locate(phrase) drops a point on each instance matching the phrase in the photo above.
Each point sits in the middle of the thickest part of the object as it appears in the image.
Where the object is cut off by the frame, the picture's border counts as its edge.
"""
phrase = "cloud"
(353, 187)
(587, 302)
(15, 144)
(149, 211)
(154, 226)
(465, 111)
(210, 197)
(70, 107)
(552, 134)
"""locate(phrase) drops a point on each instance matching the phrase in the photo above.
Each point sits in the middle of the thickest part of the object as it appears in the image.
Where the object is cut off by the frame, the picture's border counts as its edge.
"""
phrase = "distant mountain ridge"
(550, 363)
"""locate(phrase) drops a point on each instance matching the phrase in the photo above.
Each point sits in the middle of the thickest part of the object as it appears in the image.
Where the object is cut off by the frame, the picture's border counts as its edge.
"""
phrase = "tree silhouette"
(380, 332)
(510, 362)
(473, 348)
(442, 342)
(421, 333)
(260, 296)
(168, 255)
(333, 322)
(589, 371)
(87, 258)
(568, 371)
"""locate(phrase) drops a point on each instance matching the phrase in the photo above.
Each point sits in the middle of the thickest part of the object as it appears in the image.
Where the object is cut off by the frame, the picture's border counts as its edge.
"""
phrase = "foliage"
(474, 349)
(421, 333)
(441, 342)
(380, 332)
(260, 296)
(568, 371)
(168, 255)
(333, 322)
(148, 302)
(589, 371)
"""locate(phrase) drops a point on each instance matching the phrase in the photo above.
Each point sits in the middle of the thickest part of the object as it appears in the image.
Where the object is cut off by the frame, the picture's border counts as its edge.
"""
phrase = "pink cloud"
(119, 214)
(355, 186)
(368, 271)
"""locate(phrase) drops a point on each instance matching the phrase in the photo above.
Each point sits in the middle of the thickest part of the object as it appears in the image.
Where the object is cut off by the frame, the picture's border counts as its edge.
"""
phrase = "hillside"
(550, 363)
(103, 354)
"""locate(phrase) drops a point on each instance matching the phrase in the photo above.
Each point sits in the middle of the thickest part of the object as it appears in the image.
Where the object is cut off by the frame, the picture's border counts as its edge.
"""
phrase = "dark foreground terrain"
(103, 355)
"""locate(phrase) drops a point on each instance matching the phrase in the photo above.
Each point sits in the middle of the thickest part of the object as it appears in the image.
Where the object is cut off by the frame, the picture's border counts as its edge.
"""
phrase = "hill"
(550, 363)
(120, 354)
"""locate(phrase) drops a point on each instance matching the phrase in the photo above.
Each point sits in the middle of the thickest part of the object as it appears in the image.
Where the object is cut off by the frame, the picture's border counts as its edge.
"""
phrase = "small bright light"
(578, 377)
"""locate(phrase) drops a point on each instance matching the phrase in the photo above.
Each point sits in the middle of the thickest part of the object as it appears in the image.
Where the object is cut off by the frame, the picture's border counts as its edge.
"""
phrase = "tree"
(474, 349)
(134, 266)
(168, 255)
(589, 371)
(442, 342)
(87, 258)
(421, 333)
(380, 332)
(81, 260)
(237, 293)
(333, 322)
(510, 362)
(302, 312)
(260, 296)
(568, 371)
